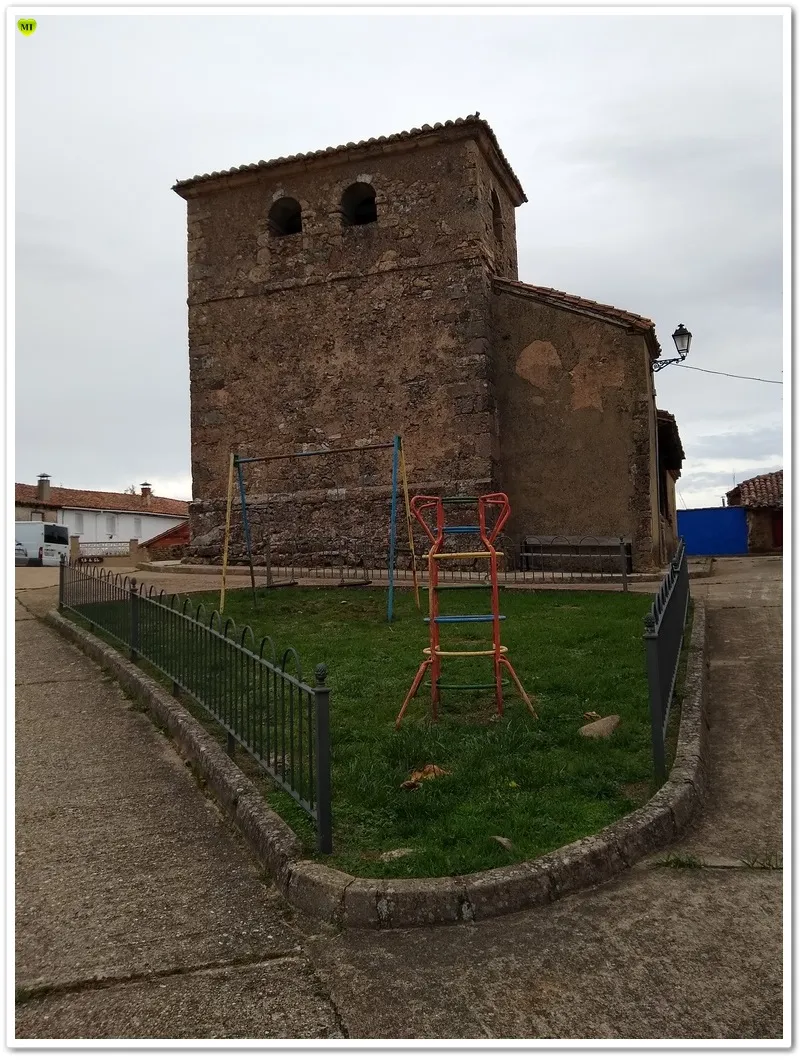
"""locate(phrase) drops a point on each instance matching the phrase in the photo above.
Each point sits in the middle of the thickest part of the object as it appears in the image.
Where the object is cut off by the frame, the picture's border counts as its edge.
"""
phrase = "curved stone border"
(350, 901)
(635, 579)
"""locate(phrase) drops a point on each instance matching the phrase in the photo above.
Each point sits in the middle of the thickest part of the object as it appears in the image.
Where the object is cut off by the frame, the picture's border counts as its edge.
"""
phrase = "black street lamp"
(682, 337)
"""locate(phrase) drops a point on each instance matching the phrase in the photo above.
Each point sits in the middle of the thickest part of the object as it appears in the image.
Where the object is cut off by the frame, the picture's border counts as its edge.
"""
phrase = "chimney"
(146, 492)
(43, 488)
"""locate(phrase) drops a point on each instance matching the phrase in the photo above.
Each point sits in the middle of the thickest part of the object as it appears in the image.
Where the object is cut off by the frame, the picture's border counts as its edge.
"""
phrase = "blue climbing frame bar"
(392, 534)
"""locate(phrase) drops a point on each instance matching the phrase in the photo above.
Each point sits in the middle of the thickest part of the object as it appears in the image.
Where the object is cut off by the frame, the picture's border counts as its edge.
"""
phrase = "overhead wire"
(731, 375)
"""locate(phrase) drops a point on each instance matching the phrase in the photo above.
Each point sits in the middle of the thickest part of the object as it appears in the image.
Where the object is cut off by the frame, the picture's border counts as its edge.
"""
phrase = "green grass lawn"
(536, 783)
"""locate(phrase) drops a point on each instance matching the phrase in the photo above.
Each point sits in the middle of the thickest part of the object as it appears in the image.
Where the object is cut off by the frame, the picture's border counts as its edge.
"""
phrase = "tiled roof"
(94, 499)
(180, 533)
(762, 491)
(573, 302)
(670, 445)
(374, 141)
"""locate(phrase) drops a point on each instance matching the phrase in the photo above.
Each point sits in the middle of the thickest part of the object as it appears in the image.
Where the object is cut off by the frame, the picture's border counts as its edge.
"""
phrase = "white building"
(93, 516)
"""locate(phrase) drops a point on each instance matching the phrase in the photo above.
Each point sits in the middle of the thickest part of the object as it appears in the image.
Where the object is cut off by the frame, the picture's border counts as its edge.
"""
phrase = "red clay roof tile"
(373, 141)
(178, 534)
(99, 501)
(573, 301)
(762, 491)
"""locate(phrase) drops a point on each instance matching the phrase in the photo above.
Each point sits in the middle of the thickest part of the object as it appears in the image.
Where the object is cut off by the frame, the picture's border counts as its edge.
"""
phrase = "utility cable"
(710, 371)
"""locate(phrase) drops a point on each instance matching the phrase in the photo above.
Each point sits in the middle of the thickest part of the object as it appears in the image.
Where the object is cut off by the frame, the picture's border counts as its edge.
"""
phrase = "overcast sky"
(650, 148)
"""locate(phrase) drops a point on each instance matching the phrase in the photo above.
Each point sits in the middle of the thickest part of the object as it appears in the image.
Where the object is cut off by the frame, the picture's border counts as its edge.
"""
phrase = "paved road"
(141, 915)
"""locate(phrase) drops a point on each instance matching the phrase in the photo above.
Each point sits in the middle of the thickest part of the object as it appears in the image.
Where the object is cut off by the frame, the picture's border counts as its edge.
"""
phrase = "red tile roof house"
(170, 544)
(762, 499)
(107, 521)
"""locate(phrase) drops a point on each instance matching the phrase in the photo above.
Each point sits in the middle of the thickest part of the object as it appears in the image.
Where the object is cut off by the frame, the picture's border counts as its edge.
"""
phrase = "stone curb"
(348, 901)
(192, 569)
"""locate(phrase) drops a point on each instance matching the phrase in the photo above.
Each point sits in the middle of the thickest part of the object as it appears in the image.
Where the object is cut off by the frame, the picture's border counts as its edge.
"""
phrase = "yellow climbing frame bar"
(459, 555)
(492, 651)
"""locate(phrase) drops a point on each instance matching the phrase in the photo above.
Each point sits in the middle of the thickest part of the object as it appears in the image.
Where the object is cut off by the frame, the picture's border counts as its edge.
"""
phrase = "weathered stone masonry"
(575, 422)
(412, 323)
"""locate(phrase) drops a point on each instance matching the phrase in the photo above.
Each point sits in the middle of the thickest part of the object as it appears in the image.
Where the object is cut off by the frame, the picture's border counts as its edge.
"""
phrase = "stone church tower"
(346, 295)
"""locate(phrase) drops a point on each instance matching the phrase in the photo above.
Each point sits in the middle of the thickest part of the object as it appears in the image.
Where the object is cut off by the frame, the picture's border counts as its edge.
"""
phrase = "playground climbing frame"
(493, 510)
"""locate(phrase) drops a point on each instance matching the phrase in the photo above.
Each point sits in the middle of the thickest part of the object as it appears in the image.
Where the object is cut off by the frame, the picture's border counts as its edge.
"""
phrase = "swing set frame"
(236, 464)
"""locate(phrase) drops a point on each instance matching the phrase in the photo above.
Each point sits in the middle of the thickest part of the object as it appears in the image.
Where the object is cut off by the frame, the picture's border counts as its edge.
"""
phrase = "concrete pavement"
(140, 914)
(127, 876)
(744, 816)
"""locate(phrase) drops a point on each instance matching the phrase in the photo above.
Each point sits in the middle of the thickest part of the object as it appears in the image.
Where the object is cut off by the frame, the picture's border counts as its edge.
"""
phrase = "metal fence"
(104, 548)
(664, 639)
(561, 558)
(279, 720)
(526, 560)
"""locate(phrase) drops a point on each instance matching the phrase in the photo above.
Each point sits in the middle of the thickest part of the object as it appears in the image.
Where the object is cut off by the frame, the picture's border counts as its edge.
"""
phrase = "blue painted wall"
(714, 531)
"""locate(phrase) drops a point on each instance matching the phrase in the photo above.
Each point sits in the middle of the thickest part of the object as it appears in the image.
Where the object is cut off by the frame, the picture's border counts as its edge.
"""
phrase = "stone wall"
(339, 336)
(576, 424)
(669, 523)
(157, 554)
(760, 529)
(309, 524)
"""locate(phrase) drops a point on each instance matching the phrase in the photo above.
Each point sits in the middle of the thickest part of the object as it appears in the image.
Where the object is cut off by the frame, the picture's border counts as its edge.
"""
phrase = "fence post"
(61, 583)
(684, 581)
(323, 796)
(623, 564)
(134, 637)
(651, 638)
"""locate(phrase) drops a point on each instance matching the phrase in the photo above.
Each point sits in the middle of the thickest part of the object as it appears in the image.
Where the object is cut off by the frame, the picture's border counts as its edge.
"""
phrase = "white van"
(45, 543)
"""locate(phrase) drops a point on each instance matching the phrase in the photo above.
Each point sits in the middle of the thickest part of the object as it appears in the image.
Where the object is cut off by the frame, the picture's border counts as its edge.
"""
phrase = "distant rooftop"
(762, 491)
(100, 500)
